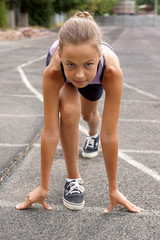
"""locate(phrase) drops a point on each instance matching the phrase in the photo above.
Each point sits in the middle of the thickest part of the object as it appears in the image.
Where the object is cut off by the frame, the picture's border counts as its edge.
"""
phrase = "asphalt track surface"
(21, 120)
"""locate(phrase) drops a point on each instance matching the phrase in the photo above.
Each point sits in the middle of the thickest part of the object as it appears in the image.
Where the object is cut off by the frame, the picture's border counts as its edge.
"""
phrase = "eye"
(88, 64)
(70, 65)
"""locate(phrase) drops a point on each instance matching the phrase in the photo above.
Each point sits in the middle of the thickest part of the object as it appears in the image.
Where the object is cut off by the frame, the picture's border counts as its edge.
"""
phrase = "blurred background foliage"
(3, 14)
(40, 12)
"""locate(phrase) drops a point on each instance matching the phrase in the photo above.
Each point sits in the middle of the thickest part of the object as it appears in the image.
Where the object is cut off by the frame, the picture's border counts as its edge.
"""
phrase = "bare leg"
(90, 114)
(70, 109)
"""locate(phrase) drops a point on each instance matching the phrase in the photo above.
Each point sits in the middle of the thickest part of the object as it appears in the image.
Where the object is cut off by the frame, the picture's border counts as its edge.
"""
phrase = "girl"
(79, 67)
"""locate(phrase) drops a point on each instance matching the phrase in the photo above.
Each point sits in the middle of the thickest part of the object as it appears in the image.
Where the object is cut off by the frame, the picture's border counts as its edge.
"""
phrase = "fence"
(129, 20)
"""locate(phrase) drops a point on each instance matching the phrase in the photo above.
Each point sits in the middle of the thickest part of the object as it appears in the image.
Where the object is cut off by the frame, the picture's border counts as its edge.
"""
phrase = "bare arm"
(112, 84)
(52, 83)
(109, 136)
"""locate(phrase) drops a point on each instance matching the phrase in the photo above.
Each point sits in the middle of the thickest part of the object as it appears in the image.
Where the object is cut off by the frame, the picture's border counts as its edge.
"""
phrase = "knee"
(109, 138)
(86, 117)
(89, 116)
(70, 113)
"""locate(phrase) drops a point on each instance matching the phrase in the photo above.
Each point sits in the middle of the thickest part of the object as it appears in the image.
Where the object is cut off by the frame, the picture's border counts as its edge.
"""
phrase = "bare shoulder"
(110, 56)
(52, 75)
(55, 61)
(113, 74)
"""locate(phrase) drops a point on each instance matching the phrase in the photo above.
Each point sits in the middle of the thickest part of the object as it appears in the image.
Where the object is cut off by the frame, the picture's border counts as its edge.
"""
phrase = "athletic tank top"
(100, 69)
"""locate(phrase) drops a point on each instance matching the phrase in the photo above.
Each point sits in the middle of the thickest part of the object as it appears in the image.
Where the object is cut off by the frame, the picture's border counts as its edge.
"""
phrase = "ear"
(59, 54)
(100, 54)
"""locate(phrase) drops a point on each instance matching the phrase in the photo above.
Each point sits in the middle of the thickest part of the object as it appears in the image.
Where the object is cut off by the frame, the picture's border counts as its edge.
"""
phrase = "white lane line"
(38, 145)
(139, 151)
(26, 81)
(140, 166)
(12, 204)
(28, 85)
(59, 147)
(81, 128)
(18, 95)
(13, 48)
(140, 91)
(138, 120)
(21, 115)
(13, 145)
(32, 61)
(139, 101)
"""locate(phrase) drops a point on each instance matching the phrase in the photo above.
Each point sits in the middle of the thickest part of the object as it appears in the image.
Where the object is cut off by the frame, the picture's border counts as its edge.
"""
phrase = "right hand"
(36, 196)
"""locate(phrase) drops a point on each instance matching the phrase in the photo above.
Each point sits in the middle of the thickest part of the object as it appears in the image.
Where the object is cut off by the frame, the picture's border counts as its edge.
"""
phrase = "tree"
(11, 13)
(94, 6)
(40, 12)
(104, 6)
(24, 19)
(69, 5)
(23, 16)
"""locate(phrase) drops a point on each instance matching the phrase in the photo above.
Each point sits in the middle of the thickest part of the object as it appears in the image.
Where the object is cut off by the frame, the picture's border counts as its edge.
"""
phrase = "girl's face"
(80, 63)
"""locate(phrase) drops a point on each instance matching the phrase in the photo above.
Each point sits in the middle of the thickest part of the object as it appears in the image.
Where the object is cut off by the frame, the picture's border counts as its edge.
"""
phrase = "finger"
(131, 208)
(24, 205)
(134, 206)
(46, 206)
(109, 208)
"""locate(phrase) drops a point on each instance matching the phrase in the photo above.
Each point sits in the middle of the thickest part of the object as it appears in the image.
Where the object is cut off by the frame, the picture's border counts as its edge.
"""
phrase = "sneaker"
(73, 194)
(90, 149)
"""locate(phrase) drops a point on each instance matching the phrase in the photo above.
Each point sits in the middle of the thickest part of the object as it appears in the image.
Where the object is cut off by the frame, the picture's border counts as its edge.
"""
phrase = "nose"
(79, 74)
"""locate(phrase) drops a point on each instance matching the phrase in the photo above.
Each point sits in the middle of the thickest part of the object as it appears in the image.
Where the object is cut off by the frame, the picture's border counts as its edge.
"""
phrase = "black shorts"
(92, 92)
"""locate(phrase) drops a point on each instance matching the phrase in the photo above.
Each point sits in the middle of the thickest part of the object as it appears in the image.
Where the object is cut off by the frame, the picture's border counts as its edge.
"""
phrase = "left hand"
(117, 198)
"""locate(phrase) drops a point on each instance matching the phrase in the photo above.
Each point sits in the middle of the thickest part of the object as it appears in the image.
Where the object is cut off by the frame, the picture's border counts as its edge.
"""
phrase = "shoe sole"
(89, 155)
(73, 206)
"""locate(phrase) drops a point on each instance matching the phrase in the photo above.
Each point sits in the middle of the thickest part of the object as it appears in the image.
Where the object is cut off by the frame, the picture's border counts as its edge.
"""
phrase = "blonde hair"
(79, 29)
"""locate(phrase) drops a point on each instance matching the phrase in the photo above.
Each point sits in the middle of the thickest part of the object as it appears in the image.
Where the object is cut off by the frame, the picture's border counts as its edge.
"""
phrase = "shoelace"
(75, 187)
(90, 142)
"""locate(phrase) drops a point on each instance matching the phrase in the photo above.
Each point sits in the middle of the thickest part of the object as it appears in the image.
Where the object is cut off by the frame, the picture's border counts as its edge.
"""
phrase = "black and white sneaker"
(73, 194)
(90, 149)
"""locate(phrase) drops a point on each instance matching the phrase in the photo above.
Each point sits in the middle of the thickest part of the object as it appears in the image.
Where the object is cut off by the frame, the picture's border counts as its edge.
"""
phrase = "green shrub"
(40, 12)
(3, 15)
(159, 9)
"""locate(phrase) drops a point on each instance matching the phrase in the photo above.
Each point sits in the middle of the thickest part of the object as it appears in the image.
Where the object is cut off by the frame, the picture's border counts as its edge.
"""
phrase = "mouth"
(80, 82)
